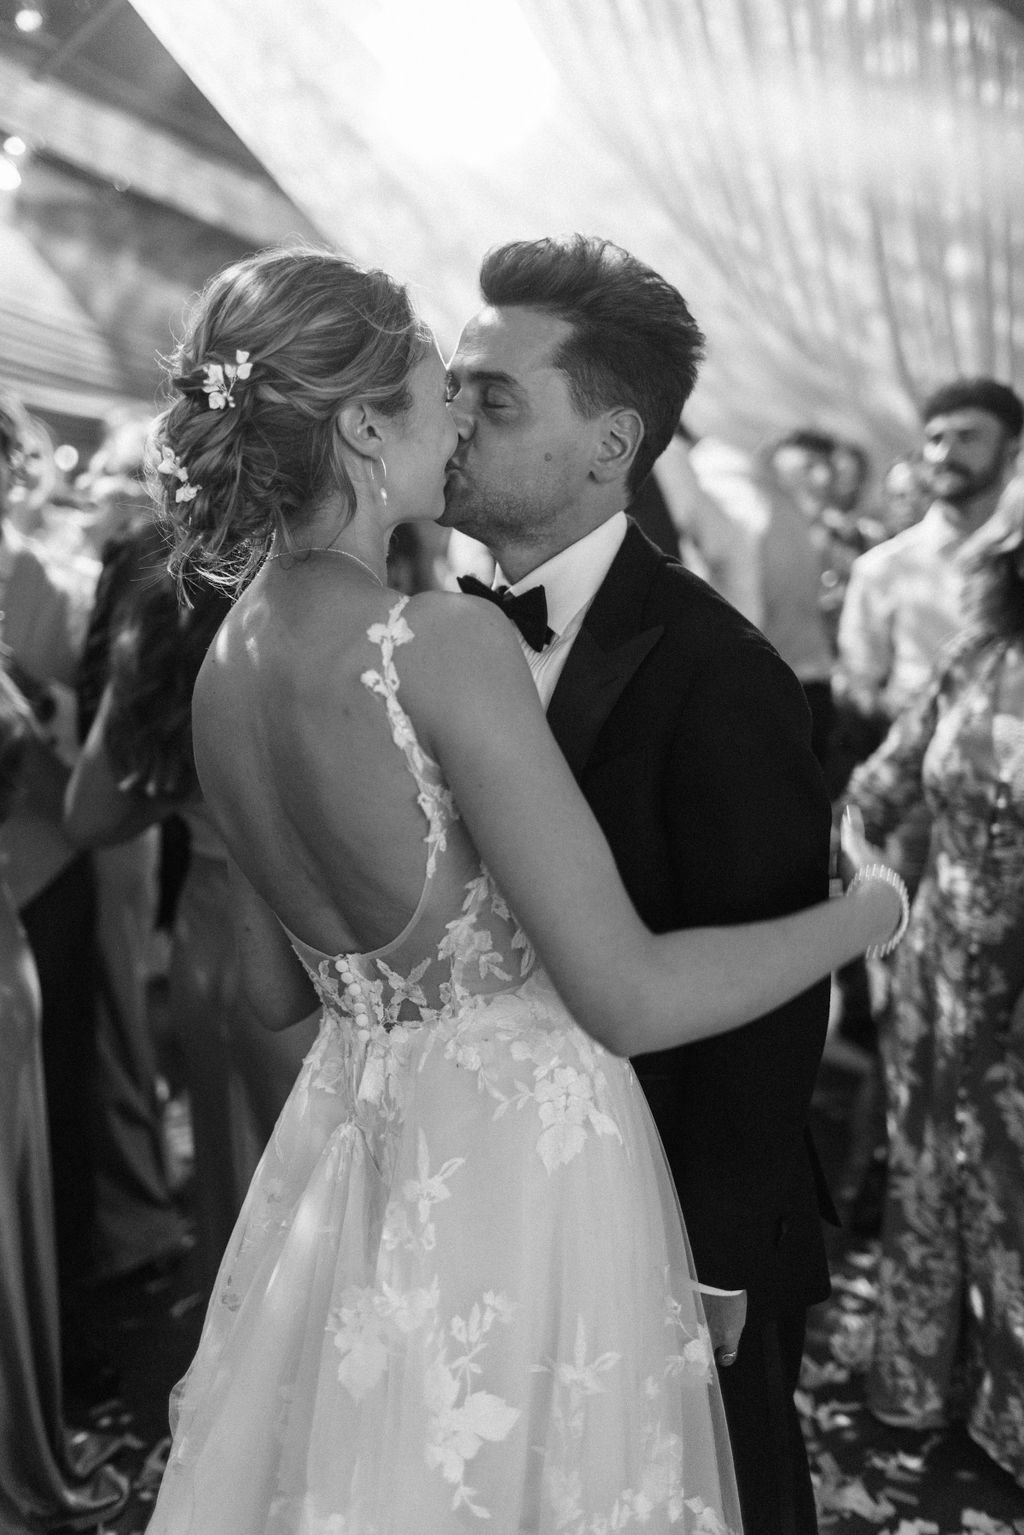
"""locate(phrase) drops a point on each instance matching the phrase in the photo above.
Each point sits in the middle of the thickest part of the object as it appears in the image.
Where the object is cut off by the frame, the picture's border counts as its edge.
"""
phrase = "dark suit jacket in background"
(691, 740)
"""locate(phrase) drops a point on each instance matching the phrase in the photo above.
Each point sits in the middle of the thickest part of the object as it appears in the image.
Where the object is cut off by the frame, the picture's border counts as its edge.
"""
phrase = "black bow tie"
(528, 611)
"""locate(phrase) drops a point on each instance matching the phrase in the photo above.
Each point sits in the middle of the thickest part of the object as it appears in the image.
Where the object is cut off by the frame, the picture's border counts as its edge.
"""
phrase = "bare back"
(296, 724)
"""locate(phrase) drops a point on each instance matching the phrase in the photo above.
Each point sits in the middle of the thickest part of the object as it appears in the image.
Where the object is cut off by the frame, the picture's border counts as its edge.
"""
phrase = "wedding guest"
(851, 475)
(138, 1223)
(135, 769)
(112, 488)
(903, 603)
(51, 1476)
(771, 573)
(38, 480)
(949, 1342)
(903, 598)
(718, 537)
(803, 462)
(459, 1289)
(844, 530)
(826, 476)
(45, 605)
(905, 495)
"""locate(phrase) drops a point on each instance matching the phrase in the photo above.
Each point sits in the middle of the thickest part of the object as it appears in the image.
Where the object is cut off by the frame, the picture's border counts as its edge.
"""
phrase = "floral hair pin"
(172, 464)
(221, 379)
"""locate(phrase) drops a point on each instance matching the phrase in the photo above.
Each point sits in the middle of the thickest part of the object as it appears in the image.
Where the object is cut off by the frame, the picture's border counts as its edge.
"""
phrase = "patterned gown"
(950, 1338)
(459, 1295)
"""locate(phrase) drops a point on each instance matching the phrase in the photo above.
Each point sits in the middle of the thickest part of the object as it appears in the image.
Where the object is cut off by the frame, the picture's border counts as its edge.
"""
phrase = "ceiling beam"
(103, 141)
(52, 63)
(1014, 8)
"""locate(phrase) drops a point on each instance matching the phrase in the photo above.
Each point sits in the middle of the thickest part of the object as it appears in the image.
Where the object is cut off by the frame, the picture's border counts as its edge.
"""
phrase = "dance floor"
(869, 1478)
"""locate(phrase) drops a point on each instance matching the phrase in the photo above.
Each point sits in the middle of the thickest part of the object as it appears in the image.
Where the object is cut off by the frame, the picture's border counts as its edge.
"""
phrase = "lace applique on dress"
(438, 961)
(435, 799)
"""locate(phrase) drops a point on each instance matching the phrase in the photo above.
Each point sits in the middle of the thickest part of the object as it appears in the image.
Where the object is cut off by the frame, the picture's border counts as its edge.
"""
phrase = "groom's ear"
(358, 426)
(620, 433)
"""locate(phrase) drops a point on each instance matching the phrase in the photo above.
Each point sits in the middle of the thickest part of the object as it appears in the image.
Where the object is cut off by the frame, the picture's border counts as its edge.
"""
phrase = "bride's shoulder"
(454, 623)
(463, 644)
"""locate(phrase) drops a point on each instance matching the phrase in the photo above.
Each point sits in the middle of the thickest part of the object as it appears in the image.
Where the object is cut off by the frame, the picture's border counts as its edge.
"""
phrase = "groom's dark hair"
(634, 341)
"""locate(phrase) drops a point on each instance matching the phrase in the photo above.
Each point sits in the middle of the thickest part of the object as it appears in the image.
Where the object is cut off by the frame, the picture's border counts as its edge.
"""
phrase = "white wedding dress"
(459, 1295)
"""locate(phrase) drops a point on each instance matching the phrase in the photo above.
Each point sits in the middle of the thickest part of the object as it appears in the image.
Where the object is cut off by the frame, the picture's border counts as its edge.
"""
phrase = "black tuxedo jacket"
(690, 738)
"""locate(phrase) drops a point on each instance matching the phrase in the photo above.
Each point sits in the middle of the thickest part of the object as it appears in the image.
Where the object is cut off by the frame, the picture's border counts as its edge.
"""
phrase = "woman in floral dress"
(950, 1336)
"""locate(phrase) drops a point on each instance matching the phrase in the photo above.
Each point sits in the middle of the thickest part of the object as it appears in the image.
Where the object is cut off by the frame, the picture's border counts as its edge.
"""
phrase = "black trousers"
(60, 924)
(776, 1495)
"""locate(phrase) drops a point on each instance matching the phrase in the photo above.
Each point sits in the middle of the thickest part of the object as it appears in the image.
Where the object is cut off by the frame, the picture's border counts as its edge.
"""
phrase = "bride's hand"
(865, 864)
(855, 849)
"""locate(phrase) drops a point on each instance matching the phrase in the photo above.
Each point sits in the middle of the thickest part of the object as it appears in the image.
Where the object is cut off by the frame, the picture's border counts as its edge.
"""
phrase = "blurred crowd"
(895, 591)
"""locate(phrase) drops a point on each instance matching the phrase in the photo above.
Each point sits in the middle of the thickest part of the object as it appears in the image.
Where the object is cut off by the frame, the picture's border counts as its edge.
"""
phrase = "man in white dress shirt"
(690, 739)
(903, 600)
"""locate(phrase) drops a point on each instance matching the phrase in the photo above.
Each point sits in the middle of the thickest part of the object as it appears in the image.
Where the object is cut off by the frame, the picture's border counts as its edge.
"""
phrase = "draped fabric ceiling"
(836, 185)
(117, 220)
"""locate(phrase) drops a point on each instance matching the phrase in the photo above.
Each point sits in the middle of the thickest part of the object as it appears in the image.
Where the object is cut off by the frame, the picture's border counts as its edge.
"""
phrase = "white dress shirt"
(570, 580)
(902, 604)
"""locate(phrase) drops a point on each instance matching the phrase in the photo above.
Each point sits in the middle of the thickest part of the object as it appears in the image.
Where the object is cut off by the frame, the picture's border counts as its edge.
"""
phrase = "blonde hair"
(319, 331)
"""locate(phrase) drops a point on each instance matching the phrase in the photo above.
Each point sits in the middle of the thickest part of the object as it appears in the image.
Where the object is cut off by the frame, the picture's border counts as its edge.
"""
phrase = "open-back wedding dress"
(459, 1295)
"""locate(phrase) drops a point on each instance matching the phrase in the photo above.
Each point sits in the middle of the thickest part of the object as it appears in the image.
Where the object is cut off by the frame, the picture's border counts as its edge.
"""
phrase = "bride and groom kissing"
(461, 1259)
(689, 738)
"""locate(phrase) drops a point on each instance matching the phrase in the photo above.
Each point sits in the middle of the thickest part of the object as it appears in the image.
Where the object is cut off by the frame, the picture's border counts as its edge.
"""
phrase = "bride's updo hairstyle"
(273, 347)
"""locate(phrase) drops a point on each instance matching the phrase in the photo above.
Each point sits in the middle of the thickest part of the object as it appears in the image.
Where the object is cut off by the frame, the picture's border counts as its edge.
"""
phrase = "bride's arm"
(273, 986)
(469, 692)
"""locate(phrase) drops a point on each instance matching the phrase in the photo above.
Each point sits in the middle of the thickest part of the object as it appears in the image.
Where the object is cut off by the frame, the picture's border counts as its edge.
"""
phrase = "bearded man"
(903, 600)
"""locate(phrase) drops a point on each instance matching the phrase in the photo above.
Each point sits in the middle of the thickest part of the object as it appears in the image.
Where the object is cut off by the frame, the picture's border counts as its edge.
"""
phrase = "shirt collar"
(938, 532)
(572, 576)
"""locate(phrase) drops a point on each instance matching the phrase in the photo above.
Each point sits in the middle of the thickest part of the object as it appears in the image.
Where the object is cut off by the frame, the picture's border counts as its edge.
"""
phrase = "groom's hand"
(725, 1311)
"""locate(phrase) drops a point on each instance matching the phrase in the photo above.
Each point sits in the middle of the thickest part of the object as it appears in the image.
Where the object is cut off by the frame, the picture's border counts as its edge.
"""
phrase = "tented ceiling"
(836, 185)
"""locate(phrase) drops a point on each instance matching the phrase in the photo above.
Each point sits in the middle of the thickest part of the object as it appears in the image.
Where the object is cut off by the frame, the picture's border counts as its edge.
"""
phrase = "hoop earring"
(380, 491)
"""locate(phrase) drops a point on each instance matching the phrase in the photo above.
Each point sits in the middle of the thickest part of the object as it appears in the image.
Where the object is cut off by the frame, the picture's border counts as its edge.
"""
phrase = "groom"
(691, 740)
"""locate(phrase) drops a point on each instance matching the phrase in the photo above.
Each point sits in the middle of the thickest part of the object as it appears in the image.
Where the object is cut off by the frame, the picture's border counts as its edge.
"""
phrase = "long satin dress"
(48, 1473)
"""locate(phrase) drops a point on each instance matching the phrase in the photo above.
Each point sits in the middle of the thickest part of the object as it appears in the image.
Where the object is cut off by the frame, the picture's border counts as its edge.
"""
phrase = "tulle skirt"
(458, 1297)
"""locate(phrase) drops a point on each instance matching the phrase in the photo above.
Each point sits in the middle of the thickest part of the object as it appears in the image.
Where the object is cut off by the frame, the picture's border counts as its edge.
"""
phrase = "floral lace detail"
(482, 948)
(435, 799)
(522, 1063)
(659, 1489)
(375, 1321)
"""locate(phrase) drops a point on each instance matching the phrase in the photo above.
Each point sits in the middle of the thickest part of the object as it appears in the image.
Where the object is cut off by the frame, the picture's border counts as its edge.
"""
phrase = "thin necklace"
(342, 553)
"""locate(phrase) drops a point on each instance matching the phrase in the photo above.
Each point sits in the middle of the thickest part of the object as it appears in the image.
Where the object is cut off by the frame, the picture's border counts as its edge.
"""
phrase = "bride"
(459, 1295)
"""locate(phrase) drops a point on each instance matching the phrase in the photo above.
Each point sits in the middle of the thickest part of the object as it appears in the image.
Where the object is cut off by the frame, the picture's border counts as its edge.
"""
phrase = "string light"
(29, 18)
(13, 148)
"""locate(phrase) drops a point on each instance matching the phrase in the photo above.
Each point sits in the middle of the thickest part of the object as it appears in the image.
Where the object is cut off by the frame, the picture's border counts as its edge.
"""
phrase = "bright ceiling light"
(462, 81)
(29, 18)
(10, 176)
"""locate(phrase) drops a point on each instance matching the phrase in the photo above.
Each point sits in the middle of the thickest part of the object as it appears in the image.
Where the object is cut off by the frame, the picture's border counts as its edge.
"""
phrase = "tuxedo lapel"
(606, 653)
